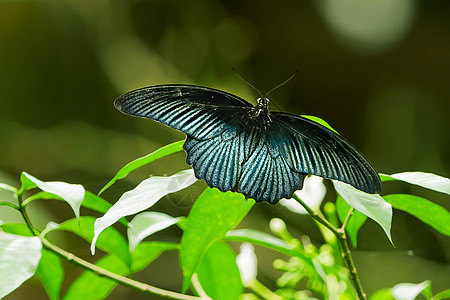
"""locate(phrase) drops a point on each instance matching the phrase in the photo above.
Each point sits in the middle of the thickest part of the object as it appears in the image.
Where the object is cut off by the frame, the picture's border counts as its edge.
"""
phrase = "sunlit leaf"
(266, 240)
(111, 241)
(427, 180)
(355, 222)
(320, 121)
(211, 217)
(4, 186)
(147, 223)
(247, 263)
(428, 212)
(218, 273)
(90, 201)
(372, 205)
(147, 193)
(408, 291)
(137, 163)
(382, 294)
(50, 272)
(312, 193)
(73, 194)
(19, 258)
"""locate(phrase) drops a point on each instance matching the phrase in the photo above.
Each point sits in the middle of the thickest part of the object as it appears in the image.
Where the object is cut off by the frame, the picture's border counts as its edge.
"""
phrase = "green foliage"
(212, 216)
(208, 263)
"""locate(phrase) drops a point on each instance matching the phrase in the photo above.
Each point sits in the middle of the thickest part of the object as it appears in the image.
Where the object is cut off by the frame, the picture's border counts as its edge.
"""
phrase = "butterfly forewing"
(311, 148)
(197, 111)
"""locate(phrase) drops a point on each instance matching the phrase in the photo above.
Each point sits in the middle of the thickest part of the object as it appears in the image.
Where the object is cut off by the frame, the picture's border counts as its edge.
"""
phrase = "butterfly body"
(236, 146)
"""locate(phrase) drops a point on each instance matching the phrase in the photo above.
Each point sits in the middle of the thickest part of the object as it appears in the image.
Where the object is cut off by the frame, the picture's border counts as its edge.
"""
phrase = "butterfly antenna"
(283, 83)
(248, 83)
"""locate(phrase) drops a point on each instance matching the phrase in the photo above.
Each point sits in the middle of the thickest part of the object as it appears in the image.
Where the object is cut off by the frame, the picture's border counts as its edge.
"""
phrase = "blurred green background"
(378, 71)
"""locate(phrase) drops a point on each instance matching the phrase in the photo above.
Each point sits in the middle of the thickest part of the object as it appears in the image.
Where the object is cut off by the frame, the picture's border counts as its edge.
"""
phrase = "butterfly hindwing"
(265, 174)
(230, 162)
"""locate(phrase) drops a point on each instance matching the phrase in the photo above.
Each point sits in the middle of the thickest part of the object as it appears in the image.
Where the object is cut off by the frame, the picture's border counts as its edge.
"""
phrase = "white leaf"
(408, 291)
(147, 223)
(73, 194)
(19, 258)
(372, 205)
(147, 193)
(247, 263)
(312, 194)
(426, 180)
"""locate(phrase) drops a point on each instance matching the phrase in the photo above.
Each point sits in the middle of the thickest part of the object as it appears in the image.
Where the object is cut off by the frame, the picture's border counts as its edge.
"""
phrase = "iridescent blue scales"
(235, 146)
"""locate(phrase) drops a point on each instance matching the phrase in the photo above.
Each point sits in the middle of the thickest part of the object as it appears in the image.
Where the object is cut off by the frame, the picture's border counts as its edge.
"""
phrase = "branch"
(143, 287)
(347, 218)
(342, 238)
(318, 217)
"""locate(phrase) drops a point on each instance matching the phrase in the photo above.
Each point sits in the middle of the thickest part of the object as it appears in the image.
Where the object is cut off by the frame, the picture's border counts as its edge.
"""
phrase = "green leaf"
(4, 186)
(91, 201)
(382, 294)
(137, 163)
(146, 252)
(147, 223)
(147, 193)
(73, 194)
(91, 286)
(111, 241)
(428, 212)
(17, 228)
(211, 217)
(50, 272)
(372, 205)
(19, 258)
(426, 180)
(442, 295)
(218, 273)
(408, 291)
(355, 222)
(96, 203)
(27, 184)
(263, 239)
(320, 121)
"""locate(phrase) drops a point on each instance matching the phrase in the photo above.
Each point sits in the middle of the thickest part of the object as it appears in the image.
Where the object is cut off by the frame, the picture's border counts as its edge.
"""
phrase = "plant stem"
(342, 237)
(347, 255)
(4, 203)
(347, 218)
(262, 290)
(318, 217)
(143, 287)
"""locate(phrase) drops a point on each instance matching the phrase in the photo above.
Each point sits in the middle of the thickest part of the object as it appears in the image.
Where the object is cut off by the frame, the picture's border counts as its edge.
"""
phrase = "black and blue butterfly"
(235, 146)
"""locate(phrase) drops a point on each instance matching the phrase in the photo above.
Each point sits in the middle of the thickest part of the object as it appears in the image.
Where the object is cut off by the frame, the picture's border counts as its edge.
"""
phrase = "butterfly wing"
(311, 148)
(197, 111)
(241, 160)
(230, 151)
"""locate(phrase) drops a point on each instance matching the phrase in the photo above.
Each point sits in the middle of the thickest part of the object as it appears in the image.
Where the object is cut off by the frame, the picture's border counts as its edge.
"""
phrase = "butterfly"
(235, 146)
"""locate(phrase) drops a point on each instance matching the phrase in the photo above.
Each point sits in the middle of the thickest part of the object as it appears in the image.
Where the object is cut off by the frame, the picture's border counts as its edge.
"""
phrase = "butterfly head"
(263, 102)
(261, 114)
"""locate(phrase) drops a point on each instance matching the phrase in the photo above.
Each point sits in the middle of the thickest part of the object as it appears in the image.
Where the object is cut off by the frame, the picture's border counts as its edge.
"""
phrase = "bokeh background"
(378, 71)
